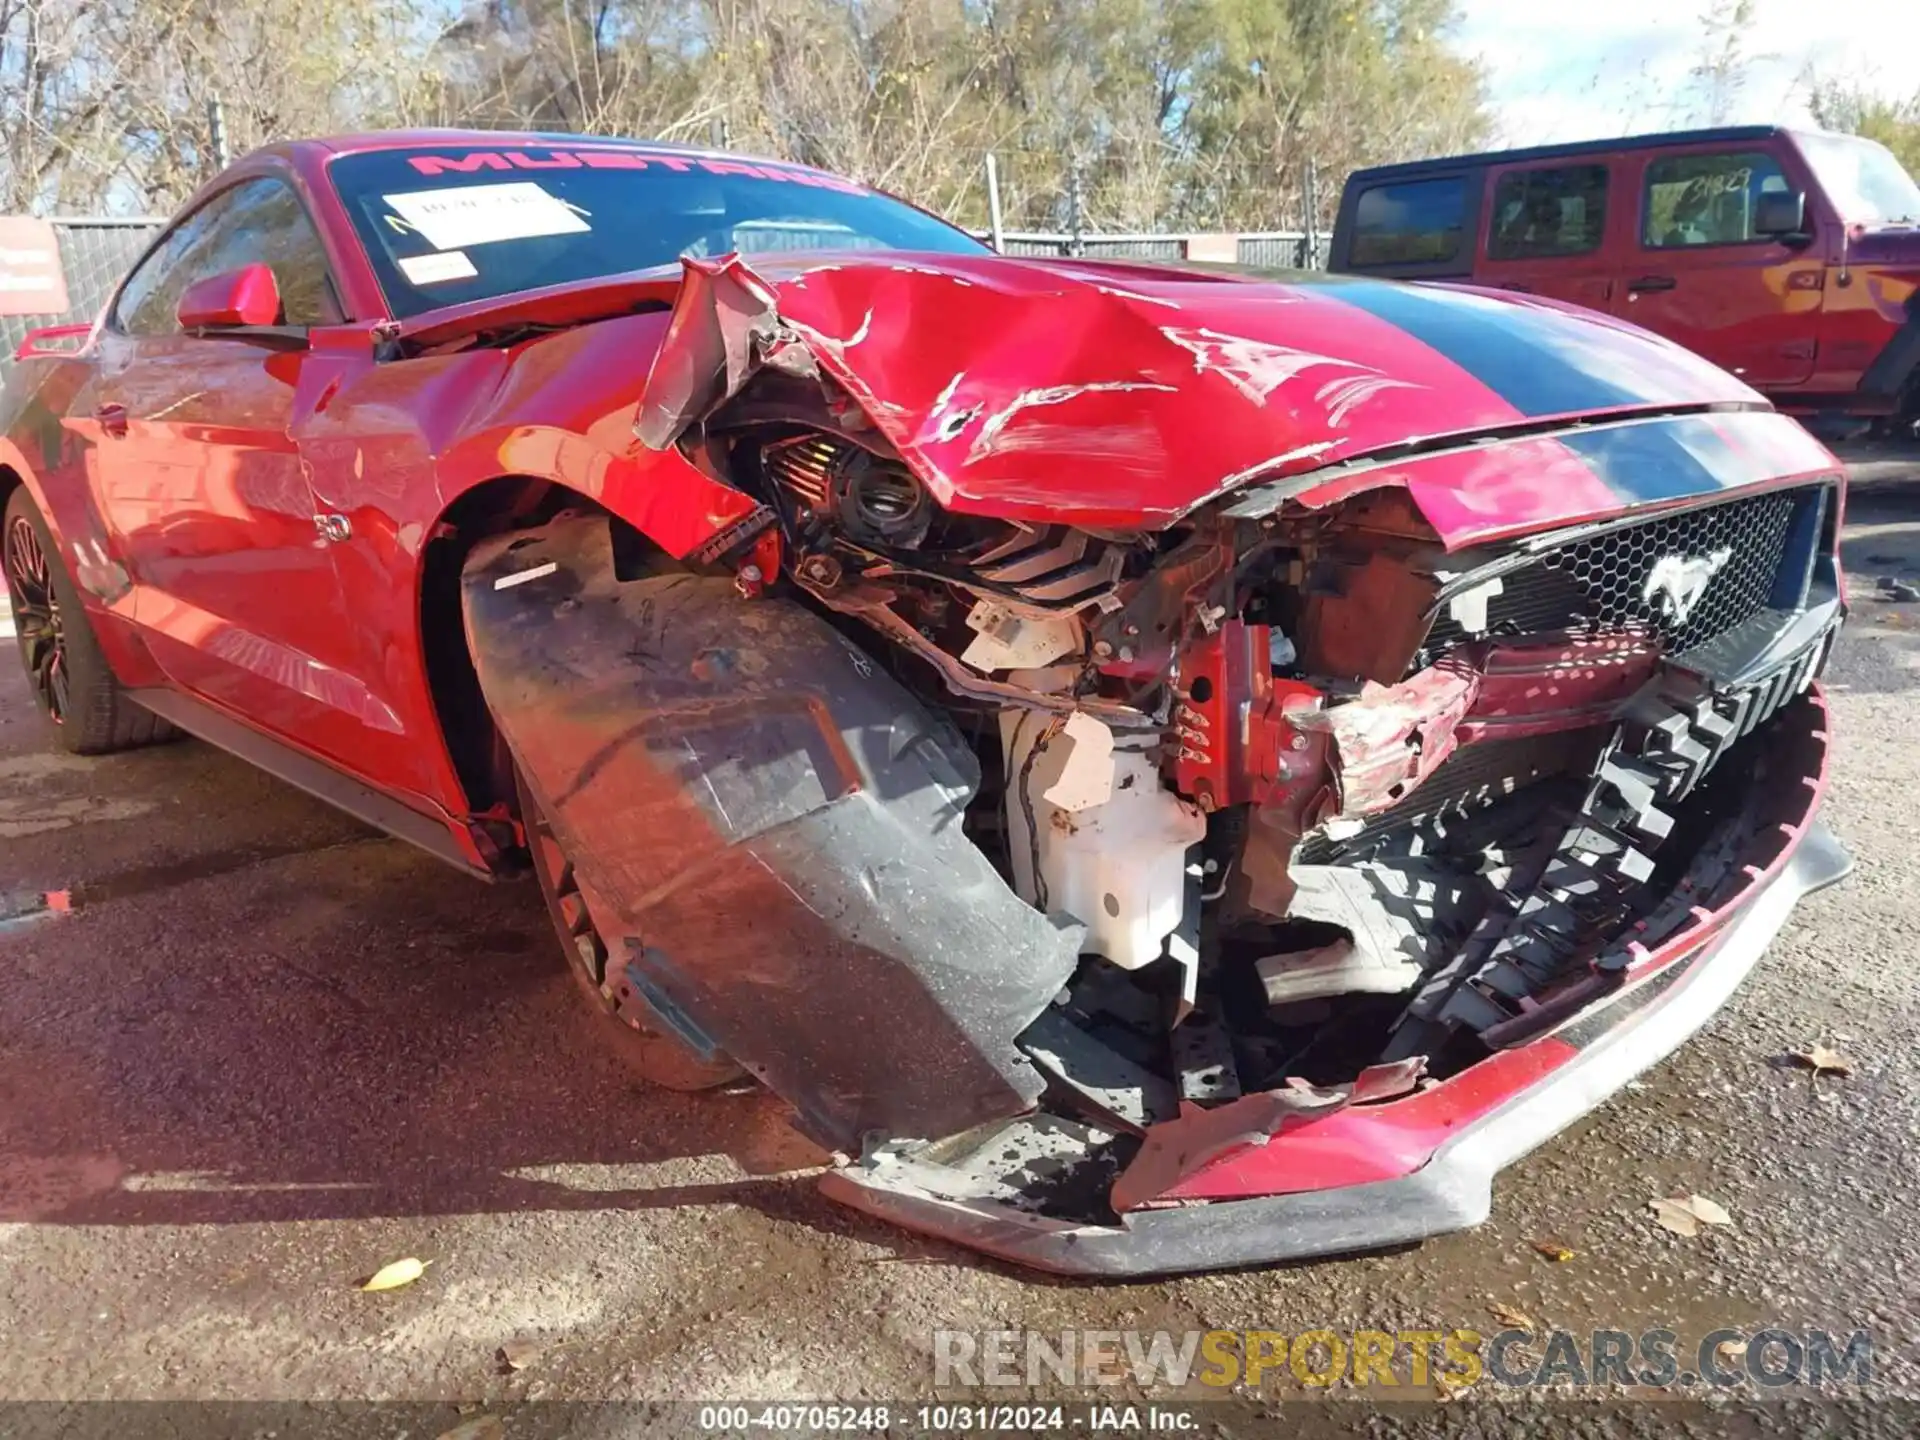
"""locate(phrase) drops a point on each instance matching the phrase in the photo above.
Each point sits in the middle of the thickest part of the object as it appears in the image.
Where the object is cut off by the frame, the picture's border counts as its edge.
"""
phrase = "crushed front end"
(1364, 837)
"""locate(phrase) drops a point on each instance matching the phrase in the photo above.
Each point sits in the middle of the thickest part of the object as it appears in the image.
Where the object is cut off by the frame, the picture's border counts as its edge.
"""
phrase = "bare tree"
(1170, 112)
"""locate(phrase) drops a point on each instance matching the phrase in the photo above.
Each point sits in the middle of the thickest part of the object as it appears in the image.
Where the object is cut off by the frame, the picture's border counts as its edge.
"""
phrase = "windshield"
(446, 225)
(1861, 177)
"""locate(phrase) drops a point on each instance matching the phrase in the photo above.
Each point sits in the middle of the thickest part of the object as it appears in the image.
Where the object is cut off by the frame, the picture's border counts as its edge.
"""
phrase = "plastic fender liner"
(767, 830)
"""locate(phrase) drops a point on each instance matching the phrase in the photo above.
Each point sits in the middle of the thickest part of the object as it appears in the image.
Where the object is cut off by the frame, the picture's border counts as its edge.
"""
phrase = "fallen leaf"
(1728, 1351)
(1513, 1319)
(1553, 1250)
(1685, 1214)
(518, 1354)
(1709, 1212)
(1821, 1061)
(1449, 1386)
(400, 1272)
(481, 1427)
(1676, 1215)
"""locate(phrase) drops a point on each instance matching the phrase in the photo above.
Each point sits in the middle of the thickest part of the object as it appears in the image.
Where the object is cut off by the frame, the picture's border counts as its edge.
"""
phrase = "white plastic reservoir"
(1112, 841)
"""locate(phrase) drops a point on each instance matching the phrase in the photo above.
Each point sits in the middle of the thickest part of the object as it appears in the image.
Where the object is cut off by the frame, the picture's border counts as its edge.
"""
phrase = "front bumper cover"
(1541, 1088)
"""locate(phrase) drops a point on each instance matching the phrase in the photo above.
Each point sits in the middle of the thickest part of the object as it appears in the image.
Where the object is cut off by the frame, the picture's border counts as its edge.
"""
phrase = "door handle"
(1651, 282)
(113, 419)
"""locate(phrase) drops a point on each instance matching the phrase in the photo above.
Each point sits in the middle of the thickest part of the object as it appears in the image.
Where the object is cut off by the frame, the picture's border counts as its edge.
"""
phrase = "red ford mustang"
(1160, 768)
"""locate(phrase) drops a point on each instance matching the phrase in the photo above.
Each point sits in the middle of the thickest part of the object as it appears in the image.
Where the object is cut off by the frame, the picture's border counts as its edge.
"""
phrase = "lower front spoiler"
(1452, 1191)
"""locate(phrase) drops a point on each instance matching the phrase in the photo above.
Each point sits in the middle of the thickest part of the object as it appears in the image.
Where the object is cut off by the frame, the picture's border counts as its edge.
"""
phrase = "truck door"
(1546, 232)
(1699, 272)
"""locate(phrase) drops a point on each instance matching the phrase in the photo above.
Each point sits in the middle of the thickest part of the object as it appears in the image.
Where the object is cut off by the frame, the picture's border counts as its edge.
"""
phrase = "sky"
(1598, 68)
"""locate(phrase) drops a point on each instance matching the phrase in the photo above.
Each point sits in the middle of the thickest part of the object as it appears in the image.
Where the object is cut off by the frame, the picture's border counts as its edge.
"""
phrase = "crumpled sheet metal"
(1394, 736)
(769, 827)
(1178, 1149)
(1112, 396)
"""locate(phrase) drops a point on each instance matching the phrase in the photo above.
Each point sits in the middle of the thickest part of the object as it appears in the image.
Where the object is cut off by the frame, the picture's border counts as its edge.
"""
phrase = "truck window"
(1706, 199)
(1409, 222)
(1557, 211)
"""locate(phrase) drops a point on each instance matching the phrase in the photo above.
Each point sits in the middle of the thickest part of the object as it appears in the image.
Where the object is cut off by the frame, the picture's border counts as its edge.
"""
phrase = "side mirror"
(1780, 214)
(247, 296)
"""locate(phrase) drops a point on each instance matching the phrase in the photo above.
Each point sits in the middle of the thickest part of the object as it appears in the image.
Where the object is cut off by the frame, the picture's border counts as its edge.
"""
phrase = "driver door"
(1699, 273)
(234, 588)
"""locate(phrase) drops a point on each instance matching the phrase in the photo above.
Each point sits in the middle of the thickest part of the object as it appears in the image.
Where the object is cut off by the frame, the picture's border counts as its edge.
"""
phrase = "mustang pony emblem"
(1676, 582)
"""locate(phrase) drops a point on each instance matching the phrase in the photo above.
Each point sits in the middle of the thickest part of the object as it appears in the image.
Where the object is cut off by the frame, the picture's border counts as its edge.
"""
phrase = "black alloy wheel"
(36, 618)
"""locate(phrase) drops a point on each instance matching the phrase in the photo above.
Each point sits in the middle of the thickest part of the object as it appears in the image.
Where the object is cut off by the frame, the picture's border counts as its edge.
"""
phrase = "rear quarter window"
(1409, 222)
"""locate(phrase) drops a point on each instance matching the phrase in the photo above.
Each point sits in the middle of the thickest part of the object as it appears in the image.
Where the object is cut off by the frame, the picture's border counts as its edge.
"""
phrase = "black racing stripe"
(1667, 459)
(1539, 362)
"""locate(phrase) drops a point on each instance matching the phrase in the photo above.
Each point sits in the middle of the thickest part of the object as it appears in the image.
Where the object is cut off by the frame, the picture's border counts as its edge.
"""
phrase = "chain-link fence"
(94, 253)
(1265, 250)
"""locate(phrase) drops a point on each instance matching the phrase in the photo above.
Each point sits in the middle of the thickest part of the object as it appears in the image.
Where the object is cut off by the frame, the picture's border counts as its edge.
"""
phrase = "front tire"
(622, 1016)
(71, 681)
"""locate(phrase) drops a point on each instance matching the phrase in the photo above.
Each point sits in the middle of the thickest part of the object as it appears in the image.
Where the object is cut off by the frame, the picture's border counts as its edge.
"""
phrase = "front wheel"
(621, 1013)
(72, 682)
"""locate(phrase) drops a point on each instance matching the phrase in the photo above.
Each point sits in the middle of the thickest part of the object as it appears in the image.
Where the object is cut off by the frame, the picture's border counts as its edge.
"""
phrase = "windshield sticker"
(478, 161)
(484, 214)
(437, 269)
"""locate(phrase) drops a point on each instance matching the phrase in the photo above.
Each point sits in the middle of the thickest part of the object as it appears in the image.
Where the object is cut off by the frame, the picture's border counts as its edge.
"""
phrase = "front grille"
(1602, 582)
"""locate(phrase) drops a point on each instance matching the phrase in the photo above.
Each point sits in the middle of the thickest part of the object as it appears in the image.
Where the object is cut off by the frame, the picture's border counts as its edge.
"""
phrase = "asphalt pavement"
(250, 1052)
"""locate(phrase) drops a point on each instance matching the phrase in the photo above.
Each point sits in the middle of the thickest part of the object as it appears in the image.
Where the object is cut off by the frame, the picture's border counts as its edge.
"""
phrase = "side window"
(153, 290)
(1706, 199)
(1538, 213)
(256, 222)
(1409, 222)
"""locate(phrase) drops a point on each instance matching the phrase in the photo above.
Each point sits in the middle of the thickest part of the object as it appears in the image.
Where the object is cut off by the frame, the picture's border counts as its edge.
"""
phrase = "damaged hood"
(1119, 395)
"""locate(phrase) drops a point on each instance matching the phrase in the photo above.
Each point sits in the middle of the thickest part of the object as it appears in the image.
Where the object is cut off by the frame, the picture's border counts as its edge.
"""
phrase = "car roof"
(1724, 133)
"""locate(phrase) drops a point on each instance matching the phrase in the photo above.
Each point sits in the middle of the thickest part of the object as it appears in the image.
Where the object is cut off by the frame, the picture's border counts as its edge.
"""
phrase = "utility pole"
(217, 132)
(998, 236)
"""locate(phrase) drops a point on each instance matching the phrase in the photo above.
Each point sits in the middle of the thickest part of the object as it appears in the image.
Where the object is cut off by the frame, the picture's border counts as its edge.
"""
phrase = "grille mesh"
(1602, 582)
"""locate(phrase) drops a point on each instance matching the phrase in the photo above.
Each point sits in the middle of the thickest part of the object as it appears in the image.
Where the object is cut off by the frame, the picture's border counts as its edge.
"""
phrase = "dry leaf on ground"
(480, 1427)
(1512, 1318)
(1685, 1214)
(1822, 1061)
(518, 1354)
(1553, 1250)
(1449, 1386)
(1728, 1351)
(1709, 1212)
(400, 1272)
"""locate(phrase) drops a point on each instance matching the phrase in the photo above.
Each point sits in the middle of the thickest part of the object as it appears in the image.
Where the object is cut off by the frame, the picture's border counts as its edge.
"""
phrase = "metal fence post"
(993, 203)
(217, 132)
(1076, 219)
(1311, 239)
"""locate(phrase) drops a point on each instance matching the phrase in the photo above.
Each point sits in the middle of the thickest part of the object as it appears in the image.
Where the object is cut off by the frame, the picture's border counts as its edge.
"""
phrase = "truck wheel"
(627, 1022)
(72, 683)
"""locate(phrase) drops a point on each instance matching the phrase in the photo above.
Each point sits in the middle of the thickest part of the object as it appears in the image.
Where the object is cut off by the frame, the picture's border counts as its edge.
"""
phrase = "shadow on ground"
(220, 1001)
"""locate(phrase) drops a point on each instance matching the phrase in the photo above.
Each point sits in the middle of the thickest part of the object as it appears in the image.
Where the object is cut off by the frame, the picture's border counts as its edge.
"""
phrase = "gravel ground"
(268, 1051)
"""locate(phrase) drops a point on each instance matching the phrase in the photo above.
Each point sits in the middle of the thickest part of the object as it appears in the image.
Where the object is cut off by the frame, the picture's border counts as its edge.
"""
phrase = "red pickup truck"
(1791, 258)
